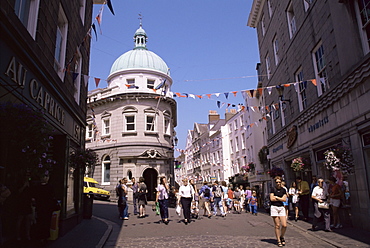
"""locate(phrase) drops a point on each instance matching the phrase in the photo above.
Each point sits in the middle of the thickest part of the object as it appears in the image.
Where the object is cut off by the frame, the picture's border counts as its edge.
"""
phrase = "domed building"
(131, 122)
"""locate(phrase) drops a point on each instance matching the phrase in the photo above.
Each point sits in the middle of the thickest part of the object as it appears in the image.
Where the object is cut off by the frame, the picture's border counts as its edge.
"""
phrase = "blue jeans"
(253, 209)
(218, 203)
(124, 208)
(163, 206)
(135, 200)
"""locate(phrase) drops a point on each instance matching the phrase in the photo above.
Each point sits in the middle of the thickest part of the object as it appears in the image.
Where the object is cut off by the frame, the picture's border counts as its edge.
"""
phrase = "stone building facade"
(131, 122)
(42, 66)
(315, 55)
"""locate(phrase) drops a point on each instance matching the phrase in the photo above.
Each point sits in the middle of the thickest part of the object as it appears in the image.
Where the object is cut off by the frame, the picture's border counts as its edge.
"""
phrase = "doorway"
(151, 176)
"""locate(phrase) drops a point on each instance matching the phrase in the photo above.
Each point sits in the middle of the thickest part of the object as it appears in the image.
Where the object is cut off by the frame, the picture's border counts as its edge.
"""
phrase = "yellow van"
(91, 186)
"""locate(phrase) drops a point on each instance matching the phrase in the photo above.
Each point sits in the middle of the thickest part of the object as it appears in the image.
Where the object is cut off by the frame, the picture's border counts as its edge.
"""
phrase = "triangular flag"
(235, 92)
(269, 89)
(74, 76)
(313, 81)
(260, 90)
(86, 78)
(217, 94)
(192, 96)
(286, 85)
(226, 94)
(209, 95)
(199, 96)
(94, 28)
(218, 104)
(109, 3)
(244, 94)
(161, 84)
(97, 80)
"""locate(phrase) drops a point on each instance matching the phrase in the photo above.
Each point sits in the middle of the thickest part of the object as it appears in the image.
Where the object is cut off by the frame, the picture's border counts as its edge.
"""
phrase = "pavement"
(95, 232)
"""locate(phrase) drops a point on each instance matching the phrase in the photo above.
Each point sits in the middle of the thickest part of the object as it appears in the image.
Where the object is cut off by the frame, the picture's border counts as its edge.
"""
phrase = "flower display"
(275, 171)
(339, 159)
(297, 164)
(82, 158)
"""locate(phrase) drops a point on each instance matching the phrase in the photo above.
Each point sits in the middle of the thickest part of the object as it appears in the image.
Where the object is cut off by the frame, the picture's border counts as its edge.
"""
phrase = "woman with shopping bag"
(162, 199)
(186, 192)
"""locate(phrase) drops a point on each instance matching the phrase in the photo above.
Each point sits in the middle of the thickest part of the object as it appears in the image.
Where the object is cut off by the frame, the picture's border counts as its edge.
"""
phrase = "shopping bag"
(157, 211)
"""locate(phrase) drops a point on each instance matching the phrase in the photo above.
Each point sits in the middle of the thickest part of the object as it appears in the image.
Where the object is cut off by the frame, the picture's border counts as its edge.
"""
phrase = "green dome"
(139, 59)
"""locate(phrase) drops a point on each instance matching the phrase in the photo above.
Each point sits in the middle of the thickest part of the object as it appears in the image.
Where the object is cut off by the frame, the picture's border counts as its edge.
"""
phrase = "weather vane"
(141, 19)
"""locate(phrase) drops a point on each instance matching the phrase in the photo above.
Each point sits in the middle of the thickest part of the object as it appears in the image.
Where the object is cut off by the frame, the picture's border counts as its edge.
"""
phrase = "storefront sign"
(277, 148)
(18, 74)
(318, 124)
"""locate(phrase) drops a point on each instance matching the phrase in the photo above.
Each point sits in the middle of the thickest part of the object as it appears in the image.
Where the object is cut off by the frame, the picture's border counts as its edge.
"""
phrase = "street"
(235, 230)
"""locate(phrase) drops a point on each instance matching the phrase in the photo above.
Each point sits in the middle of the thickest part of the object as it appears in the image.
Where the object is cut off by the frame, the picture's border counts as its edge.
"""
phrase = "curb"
(105, 237)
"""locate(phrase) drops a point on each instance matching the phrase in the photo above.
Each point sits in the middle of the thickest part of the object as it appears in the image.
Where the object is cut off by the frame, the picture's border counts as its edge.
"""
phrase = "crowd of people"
(220, 199)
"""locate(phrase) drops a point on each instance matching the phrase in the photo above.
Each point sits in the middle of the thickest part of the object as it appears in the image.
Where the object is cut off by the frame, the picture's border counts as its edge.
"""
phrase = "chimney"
(213, 116)
(229, 114)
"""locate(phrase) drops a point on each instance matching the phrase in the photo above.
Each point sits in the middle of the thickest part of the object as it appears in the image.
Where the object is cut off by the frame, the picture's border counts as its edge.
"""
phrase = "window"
(150, 84)
(230, 127)
(89, 131)
(263, 25)
(60, 43)
(301, 90)
(241, 120)
(131, 84)
(236, 124)
(243, 140)
(130, 122)
(82, 10)
(269, 5)
(291, 20)
(167, 125)
(275, 44)
(77, 76)
(362, 8)
(106, 126)
(150, 123)
(27, 12)
(236, 144)
(106, 170)
(283, 107)
(268, 67)
(307, 4)
(320, 69)
(231, 146)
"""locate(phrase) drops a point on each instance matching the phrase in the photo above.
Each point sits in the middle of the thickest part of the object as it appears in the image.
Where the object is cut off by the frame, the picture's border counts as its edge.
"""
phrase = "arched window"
(106, 170)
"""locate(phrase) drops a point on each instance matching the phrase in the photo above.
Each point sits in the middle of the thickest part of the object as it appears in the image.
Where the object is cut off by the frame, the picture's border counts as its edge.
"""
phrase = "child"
(252, 201)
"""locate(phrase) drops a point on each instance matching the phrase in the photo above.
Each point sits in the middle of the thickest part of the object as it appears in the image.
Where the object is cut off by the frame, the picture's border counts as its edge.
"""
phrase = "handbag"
(157, 211)
(323, 205)
(178, 210)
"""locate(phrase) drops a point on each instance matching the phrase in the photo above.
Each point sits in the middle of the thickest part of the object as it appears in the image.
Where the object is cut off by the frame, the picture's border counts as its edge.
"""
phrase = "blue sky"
(206, 44)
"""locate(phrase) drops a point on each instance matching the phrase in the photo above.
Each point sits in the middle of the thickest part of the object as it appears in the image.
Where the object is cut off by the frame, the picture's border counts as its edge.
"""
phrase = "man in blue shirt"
(205, 195)
(218, 199)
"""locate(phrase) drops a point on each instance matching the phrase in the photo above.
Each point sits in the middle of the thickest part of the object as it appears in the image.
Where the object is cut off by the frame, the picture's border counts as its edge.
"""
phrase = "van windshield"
(93, 185)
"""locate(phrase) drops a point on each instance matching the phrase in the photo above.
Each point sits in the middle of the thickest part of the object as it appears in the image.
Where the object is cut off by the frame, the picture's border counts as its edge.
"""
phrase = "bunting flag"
(109, 3)
(86, 77)
(313, 81)
(97, 80)
(99, 18)
(161, 84)
(94, 28)
(74, 76)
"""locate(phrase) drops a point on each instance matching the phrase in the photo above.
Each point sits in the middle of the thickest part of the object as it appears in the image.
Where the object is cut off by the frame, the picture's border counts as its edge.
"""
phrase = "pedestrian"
(304, 196)
(335, 194)
(237, 196)
(186, 196)
(321, 207)
(248, 194)
(242, 197)
(286, 203)
(134, 188)
(162, 198)
(224, 190)
(205, 196)
(195, 202)
(293, 199)
(278, 213)
(142, 200)
(217, 199)
(122, 200)
(252, 202)
(230, 199)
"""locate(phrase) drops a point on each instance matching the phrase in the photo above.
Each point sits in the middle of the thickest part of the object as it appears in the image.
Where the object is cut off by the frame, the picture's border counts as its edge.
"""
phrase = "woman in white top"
(293, 198)
(162, 198)
(186, 193)
(319, 195)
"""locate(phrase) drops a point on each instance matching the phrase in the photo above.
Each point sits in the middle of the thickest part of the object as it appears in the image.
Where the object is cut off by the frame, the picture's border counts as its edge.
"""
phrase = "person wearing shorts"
(278, 213)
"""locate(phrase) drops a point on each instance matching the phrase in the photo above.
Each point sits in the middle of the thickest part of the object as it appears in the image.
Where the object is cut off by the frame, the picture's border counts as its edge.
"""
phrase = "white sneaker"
(332, 226)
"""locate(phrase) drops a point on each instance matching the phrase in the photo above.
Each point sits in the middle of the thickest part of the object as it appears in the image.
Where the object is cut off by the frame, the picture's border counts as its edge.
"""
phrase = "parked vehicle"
(92, 186)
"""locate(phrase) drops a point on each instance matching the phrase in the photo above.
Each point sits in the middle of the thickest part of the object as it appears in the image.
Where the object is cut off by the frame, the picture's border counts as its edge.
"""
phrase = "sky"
(206, 44)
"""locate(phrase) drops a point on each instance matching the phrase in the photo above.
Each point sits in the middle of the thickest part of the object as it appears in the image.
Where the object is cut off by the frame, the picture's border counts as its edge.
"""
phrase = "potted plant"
(340, 159)
(83, 158)
(275, 171)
